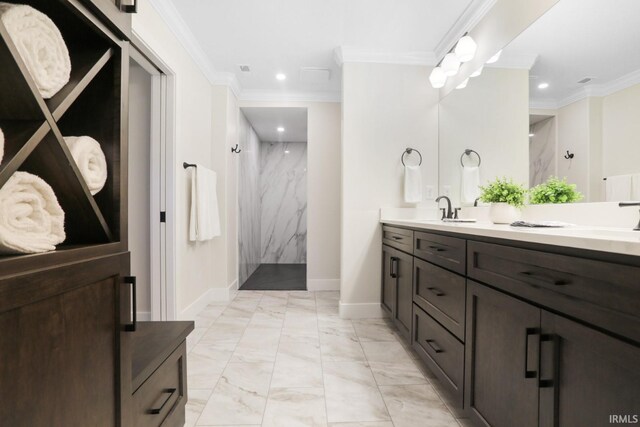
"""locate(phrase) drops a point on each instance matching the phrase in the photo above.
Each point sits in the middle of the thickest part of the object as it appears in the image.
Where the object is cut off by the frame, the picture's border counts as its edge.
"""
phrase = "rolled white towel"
(40, 45)
(31, 219)
(1, 146)
(90, 159)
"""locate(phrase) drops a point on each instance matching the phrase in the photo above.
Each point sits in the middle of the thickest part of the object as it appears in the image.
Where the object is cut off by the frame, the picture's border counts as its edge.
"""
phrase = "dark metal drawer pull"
(131, 327)
(553, 340)
(437, 248)
(434, 346)
(394, 267)
(437, 291)
(396, 237)
(529, 332)
(543, 278)
(160, 403)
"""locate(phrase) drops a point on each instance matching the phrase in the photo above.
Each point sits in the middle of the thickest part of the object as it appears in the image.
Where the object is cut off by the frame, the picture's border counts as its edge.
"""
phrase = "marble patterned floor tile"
(391, 373)
(339, 349)
(203, 371)
(240, 396)
(298, 352)
(364, 424)
(295, 407)
(296, 375)
(267, 320)
(385, 352)
(257, 345)
(308, 335)
(366, 405)
(413, 405)
(374, 330)
(215, 350)
(195, 405)
(225, 330)
(194, 337)
(349, 377)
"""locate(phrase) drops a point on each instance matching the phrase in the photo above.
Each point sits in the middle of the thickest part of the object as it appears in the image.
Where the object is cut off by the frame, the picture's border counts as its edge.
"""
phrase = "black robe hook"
(235, 149)
(569, 155)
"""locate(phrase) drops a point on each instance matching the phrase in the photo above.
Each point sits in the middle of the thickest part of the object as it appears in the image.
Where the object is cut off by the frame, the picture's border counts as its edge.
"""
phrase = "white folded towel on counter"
(90, 159)
(1, 145)
(204, 221)
(31, 219)
(470, 181)
(618, 188)
(40, 45)
(412, 184)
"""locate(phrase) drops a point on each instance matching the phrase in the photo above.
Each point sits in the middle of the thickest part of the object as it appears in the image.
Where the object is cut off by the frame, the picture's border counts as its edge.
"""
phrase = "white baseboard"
(367, 310)
(214, 294)
(143, 316)
(323, 284)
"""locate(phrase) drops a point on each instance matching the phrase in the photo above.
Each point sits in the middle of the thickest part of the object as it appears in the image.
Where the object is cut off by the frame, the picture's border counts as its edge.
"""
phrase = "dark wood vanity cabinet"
(397, 288)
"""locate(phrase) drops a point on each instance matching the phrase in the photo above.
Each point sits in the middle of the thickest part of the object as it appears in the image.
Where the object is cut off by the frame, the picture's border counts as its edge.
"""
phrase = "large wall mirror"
(563, 100)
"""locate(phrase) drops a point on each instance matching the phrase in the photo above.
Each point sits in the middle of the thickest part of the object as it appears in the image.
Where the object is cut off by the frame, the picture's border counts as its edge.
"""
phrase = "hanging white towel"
(635, 187)
(412, 184)
(1, 145)
(40, 46)
(618, 188)
(470, 181)
(204, 222)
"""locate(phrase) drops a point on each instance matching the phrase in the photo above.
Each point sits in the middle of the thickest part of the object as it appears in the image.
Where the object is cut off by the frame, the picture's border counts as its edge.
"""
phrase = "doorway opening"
(272, 199)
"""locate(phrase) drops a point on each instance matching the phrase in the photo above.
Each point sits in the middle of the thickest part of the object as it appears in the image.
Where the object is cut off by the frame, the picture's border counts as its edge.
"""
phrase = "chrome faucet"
(449, 211)
(626, 204)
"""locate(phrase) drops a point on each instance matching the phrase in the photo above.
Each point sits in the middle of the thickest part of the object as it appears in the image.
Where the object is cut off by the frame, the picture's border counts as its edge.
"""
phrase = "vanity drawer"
(445, 251)
(441, 294)
(160, 400)
(399, 238)
(597, 292)
(441, 351)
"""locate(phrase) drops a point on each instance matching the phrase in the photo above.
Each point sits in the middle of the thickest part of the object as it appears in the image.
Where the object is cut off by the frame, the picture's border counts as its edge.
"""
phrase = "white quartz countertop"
(603, 239)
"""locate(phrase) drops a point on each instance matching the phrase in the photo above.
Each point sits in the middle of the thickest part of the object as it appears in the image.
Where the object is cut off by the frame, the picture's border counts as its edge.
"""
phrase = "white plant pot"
(503, 213)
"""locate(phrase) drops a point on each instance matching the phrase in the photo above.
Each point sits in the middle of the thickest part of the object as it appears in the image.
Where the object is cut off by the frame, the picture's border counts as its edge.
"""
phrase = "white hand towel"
(1, 146)
(635, 187)
(31, 219)
(204, 222)
(90, 159)
(618, 188)
(412, 184)
(470, 190)
(40, 45)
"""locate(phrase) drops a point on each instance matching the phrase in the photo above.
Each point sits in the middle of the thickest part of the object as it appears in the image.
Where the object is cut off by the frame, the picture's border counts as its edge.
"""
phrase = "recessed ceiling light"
(286, 151)
(543, 85)
(280, 129)
(281, 76)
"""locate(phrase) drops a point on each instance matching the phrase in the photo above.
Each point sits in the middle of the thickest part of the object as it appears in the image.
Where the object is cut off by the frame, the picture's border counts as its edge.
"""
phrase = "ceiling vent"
(315, 75)
(245, 68)
(585, 80)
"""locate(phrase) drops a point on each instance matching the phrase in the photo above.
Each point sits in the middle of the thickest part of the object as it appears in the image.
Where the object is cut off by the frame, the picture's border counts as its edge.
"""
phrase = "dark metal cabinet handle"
(434, 345)
(437, 292)
(394, 267)
(396, 237)
(134, 304)
(544, 279)
(162, 401)
(437, 248)
(529, 333)
(553, 340)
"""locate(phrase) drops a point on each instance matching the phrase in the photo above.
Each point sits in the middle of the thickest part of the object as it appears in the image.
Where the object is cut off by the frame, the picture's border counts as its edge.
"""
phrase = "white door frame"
(163, 182)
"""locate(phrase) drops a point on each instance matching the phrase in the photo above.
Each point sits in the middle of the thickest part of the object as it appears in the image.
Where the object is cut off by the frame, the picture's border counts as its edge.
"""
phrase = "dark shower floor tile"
(277, 277)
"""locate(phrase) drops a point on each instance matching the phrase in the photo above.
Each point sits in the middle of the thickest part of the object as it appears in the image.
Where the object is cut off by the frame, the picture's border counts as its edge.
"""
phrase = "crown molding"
(594, 90)
(230, 80)
(345, 54)
(276, 96)
(473, 13)
(521, 61)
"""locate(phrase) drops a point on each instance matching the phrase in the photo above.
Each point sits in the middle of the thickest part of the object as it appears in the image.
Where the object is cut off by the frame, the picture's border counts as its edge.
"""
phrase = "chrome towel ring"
(468, 152)
(409, 151)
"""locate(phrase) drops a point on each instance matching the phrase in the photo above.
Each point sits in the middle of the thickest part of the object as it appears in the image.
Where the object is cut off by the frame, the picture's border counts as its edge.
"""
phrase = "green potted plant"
(506, 198)
(554, 190)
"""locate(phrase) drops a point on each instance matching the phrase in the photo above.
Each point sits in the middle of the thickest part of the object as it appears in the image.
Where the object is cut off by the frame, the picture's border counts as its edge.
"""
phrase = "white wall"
(386, 108)
(621, 132)
(196, 264)
(323, 186)
(140, 185)
(490, 116)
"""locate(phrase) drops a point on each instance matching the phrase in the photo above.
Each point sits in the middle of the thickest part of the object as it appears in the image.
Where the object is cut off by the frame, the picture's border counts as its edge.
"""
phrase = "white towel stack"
(470, 188)
(90, 159)
(40, 46)
(204, 221)
(412, 184)
(31, 219)
(1, 145)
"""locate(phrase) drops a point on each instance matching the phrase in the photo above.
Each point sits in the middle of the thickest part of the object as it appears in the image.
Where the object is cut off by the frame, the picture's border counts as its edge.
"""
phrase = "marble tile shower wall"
(283, 189)
(249, 211)
(542, 151)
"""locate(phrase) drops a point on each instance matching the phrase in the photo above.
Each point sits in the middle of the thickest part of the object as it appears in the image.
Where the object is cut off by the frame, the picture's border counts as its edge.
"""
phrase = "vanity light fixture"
(450, 65)
(543, 85)
(495, 57)
(437, 78)
(477, 72)
(281, 76)
(465, 49)
(463, 84)
(280, 129)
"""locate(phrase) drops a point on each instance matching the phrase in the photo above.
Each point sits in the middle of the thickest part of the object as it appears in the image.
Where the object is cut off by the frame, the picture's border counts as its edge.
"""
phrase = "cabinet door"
(501, 385)
(587, 378)
(389, 283)
(404, 295)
